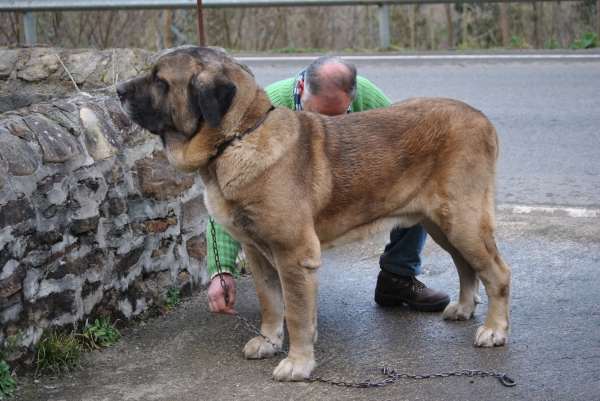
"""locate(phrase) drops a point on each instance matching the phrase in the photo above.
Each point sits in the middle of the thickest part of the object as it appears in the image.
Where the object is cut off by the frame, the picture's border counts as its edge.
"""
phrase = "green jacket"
(281, 93)
(368, 96)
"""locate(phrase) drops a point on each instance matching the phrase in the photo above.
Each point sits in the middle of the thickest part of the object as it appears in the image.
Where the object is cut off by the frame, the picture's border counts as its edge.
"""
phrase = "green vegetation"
(241, 266)
(162, 305)
(11, 345)
(58, 351)
(293, 49)
(551, 44)
(8, 384)
(100, 333)
(588, 40)
(173, 298)
(61, 350)
(515, 41)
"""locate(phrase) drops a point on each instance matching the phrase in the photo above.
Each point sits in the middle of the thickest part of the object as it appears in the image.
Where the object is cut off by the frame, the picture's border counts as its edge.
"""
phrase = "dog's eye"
(158, 80)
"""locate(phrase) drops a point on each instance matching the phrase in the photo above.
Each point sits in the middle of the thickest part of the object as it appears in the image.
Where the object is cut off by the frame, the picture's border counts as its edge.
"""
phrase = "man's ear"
(301, 87)
(214, 97)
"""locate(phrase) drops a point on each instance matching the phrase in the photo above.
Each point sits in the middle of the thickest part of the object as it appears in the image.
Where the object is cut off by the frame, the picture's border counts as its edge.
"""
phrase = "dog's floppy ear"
(214, 97)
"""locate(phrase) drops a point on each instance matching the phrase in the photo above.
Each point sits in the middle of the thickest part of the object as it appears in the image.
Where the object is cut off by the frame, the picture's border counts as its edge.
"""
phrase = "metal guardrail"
(83, 5)
(30, 6)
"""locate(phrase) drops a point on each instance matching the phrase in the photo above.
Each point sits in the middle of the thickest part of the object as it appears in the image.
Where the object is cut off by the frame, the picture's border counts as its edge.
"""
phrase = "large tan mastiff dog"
(287, 184)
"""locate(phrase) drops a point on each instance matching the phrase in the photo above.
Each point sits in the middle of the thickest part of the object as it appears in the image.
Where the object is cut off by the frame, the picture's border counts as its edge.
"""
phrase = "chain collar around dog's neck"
(228, 142)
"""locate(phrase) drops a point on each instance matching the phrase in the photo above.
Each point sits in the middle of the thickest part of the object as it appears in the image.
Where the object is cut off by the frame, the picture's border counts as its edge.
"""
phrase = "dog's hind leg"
(495, 275)
(268, 287)
(472, 235)
(468, 297)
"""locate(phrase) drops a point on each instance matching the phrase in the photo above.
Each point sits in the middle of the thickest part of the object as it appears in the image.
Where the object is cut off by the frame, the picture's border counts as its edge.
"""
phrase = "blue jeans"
(402, 255)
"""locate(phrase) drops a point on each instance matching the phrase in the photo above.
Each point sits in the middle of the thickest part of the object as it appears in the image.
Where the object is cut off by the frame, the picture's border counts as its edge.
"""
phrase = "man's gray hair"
(315, 83)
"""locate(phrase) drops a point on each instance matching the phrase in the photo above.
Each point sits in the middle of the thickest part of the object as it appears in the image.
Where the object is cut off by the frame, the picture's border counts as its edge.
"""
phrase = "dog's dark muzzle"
(122, 91)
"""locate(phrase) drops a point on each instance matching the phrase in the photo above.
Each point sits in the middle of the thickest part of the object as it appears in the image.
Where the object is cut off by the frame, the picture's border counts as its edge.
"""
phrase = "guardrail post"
(598, 18)
(29, 25)
(465, 9)
(384, 27)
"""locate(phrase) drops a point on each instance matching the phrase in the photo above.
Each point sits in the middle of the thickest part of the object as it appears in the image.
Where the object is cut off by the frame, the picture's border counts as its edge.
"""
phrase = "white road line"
(568, 211)
(430, 57)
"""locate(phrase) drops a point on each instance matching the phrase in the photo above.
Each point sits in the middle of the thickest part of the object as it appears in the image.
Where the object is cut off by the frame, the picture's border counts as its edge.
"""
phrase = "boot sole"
(391, 300)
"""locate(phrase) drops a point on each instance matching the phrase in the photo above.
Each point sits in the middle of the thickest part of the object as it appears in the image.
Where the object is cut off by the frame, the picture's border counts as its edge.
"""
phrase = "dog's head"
(194, 98)
(184, 89)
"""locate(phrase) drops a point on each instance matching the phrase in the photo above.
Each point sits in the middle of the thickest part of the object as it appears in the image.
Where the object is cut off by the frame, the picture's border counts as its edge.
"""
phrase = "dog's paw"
(457, 311)
(258, 348)
(293, 370)
(488, 337)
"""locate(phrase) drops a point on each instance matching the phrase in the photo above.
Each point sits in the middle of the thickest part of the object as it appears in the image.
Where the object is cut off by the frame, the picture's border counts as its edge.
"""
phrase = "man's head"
(329, 86)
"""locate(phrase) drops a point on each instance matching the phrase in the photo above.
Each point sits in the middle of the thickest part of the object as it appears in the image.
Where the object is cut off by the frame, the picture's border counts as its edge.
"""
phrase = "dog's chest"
(221, 211)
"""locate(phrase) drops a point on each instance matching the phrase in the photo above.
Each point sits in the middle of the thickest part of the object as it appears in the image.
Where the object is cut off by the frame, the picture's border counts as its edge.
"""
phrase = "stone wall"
(93, 219)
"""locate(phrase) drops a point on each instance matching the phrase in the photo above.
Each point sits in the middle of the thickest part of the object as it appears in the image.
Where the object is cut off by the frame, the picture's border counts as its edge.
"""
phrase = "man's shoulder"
(284, 84)
(368, 96)
(364, 82)
(281, 93)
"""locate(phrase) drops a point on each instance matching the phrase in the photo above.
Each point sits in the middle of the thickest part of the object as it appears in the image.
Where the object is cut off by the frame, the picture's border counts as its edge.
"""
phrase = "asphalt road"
(546, 113)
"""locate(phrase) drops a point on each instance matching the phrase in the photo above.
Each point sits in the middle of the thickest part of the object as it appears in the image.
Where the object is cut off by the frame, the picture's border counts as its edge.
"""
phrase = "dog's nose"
(121, 90)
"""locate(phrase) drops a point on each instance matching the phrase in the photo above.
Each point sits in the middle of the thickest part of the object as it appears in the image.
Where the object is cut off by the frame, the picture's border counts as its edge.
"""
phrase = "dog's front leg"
(298, 273)
(268, 287)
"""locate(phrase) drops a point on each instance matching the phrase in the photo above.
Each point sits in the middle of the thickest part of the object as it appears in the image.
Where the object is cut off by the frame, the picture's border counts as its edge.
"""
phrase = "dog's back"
(390, 166)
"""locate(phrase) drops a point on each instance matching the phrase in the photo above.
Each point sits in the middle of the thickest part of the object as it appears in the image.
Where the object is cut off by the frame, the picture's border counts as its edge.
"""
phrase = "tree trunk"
(431, 27)
(412, 27)
(504, 24)
(598, 18)
(536, 26)
(167, 21)
(449, 32)
(464, 24)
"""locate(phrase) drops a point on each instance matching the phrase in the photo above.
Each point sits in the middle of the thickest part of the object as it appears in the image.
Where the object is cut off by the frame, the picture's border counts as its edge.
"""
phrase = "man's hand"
(216, 296)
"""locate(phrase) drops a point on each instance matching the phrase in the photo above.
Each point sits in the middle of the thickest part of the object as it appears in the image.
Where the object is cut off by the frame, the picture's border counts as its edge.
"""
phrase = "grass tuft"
(58, 352)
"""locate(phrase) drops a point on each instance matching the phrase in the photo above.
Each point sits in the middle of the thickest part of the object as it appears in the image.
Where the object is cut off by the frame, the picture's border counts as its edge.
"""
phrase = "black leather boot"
(393, 290)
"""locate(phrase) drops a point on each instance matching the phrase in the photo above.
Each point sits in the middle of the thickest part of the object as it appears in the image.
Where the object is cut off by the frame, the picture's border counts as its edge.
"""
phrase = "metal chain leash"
(392, 375)
(217, 261)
